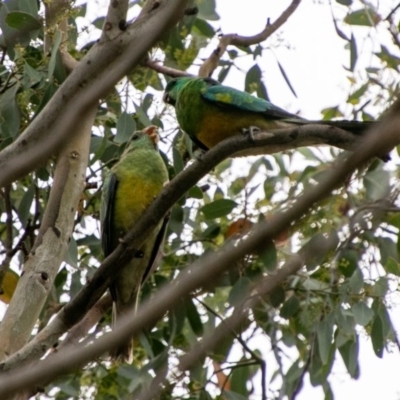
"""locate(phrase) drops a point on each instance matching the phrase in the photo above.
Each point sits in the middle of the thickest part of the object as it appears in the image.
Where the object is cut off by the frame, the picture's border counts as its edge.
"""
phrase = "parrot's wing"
(224, 96)
(156, 253)
(106, 215)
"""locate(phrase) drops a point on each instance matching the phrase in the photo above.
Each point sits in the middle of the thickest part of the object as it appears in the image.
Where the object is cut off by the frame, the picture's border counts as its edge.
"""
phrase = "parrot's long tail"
(356, 127)
(124, 352)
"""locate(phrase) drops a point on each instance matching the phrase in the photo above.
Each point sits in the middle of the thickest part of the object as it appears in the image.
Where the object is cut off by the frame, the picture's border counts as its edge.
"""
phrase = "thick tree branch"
(115, 21)
(209, 266)
(88, 322)
(104, 65)
(74, 311)
(211, 63)
(250, 299)
(43, 262)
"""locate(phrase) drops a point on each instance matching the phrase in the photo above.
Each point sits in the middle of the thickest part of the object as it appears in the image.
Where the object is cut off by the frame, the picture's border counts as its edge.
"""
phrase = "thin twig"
(211, 63)
(162, 69)
(255, 356)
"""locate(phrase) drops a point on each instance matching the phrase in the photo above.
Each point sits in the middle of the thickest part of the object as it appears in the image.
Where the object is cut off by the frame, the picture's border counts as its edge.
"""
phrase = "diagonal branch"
(211, 63)
(271, 142)
(97, 73)
(163, 69)
(115, 21)
(209, 266)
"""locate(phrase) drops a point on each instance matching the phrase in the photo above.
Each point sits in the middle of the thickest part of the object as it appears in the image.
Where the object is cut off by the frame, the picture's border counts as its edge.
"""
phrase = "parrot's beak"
(168, 99)
(152, 132)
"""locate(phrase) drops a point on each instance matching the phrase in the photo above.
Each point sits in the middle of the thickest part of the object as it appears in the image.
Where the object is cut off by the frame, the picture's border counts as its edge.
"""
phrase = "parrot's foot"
(251, 130)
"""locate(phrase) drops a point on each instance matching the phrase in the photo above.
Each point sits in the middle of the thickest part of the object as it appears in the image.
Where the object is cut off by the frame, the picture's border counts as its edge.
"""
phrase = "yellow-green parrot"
(210, 112)
(132, 184)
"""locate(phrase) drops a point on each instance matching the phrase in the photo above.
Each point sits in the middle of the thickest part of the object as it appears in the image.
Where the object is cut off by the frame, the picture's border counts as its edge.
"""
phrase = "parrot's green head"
(176, 85)
(145, 139)
(173, 88)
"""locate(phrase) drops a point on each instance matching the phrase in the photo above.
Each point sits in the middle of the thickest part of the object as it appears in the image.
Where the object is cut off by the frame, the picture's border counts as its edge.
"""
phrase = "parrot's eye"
(135, 137)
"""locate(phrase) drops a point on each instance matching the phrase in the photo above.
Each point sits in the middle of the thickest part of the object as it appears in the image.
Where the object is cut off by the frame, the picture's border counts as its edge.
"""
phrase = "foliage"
(318, 313)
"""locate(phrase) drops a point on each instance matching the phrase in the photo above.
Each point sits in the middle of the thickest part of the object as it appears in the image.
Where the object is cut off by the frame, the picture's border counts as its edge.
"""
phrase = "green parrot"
(210, 112)
(130, 187)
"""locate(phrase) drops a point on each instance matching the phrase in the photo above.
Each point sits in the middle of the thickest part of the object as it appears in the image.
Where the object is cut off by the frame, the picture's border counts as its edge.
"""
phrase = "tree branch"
(211, 63)
(209, 266)
(162, 69)
(314, 248)
(74, 311)
(104, 65)
(88, 322)
(43, 262)
(115, 21)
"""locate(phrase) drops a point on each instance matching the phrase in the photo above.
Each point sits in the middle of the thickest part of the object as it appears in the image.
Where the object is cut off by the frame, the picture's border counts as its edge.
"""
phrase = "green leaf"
(376, 183)
(31, 75)
(25, 205)
(392, 266)
(143, 118)
(349, 353)
(324, 335)
(211, 232)
(178, 162)
(364, 17)
(9, 112)
(314, 243)
(203, 27)
(387, 57)
(53, 58)
(126, 125)
(362, 313)
(356, 282)
(345, 2)
(353, 52)
(378, 342)
(354, 98)
(71, 256)
(269, 257)
(240, 376)
(99, 22)
(253, 79)
(195, 192)
(348, 262)
(233, 396)
(239, 290)
(388, 249)
(193, 317)
(205, 396)
(176, 219)
(286, 78)
(276, 296)
(218, 208)
(380, 288)
(22, 21)
(387, 326)
(290, 307)
(339, 32)
(30, 7)
(328, 391)
(207, 10)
